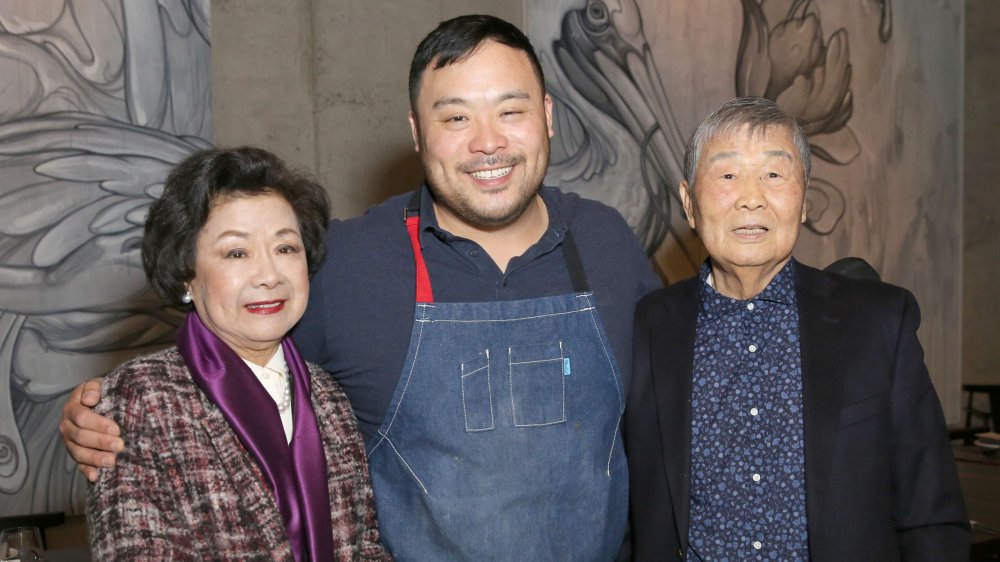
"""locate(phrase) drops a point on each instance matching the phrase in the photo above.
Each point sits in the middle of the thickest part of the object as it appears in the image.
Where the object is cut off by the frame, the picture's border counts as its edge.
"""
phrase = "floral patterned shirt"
(748, 497)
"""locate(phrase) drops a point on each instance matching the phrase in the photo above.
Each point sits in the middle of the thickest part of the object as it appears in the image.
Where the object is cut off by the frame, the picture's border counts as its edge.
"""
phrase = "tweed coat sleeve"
(131, 511)
(355, 526)
(184, 488)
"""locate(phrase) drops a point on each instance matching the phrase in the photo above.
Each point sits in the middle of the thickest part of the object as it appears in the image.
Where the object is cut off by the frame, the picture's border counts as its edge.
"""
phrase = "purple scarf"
(297, 479)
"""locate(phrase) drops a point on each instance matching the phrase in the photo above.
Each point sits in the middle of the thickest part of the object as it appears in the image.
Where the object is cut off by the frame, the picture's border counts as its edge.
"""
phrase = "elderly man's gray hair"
(757, 115)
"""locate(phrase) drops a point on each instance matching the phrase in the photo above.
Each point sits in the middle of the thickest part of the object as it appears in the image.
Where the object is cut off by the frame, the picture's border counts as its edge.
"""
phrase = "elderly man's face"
(747, 201)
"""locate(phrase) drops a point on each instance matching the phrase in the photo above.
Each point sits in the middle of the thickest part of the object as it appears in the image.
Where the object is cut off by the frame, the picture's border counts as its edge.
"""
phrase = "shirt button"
(756, 477)
(752, 348)
(757, 545)
(473, 253)
(749, 306)
(753, 411)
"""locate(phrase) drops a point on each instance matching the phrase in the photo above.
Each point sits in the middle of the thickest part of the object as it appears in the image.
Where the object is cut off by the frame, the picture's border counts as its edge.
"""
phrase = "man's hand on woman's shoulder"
(91, 439)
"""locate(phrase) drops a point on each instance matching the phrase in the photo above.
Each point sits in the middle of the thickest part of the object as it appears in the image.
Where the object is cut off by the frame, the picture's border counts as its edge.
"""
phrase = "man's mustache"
(495, 161)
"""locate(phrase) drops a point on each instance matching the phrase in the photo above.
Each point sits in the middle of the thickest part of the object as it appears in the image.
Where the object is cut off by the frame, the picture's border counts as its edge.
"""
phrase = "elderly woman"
(237, 448)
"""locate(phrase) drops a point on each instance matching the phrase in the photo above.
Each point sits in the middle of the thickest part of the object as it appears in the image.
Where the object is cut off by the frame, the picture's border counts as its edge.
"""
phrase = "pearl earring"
(186, 298)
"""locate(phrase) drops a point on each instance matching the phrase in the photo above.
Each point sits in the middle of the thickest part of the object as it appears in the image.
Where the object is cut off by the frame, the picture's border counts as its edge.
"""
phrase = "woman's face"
(251, 279)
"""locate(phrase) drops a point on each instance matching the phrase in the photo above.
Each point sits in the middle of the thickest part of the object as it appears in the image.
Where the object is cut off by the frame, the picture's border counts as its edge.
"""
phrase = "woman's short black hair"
(204, 179)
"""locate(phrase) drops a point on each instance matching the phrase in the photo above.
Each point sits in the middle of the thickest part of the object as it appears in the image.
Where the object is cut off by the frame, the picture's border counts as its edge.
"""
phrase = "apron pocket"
(477, 394)
(537, 384)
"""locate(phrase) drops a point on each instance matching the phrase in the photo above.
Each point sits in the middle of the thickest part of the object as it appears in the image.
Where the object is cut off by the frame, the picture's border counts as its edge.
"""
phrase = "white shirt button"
(752, 348)
(749, 306)
(757, 545)
(756, 477)
(753, 411)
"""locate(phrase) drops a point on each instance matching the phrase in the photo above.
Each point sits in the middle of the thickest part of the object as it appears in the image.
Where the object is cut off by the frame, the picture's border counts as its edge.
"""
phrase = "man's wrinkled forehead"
(743, 131)
(782, 154)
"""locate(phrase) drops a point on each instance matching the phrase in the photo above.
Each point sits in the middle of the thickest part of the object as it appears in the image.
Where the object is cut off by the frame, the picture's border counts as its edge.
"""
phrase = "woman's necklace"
(286, 396)
(286, 392)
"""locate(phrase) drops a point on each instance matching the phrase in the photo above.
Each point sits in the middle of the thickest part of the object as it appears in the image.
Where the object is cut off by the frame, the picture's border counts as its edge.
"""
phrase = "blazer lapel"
(673, 359)
(820, 332)
(256, 499)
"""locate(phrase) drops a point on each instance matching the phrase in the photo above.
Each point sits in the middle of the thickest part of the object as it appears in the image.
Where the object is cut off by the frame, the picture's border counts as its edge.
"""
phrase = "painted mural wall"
(877, 82)
(98, 99)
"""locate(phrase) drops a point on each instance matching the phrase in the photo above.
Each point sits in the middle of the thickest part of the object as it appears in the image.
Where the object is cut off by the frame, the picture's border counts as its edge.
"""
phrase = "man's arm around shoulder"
(91, 439)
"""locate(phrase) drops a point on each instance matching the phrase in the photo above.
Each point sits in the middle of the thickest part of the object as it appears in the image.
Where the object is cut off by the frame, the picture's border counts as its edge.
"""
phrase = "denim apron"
(501, 441)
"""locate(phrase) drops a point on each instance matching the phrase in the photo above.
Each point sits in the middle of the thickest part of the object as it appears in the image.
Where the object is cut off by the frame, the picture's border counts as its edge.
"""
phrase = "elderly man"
(777, 412)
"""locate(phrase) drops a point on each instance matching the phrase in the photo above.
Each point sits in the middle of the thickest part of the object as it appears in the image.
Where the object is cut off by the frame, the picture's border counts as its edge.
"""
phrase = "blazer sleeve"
(929, 511)
(131, 511)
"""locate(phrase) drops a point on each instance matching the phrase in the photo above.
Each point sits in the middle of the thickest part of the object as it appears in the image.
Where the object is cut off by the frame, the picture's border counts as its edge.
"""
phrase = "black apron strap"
(413, 205)
(573, 264)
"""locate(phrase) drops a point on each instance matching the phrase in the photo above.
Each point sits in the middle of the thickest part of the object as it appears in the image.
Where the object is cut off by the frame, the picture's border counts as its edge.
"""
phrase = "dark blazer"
(881, 482)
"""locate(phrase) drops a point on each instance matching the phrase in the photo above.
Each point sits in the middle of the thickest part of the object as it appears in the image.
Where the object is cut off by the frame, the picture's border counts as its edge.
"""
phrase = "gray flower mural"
(606, 61)
(616, 113)
(809, 77)
(101, 99)
(875, 83)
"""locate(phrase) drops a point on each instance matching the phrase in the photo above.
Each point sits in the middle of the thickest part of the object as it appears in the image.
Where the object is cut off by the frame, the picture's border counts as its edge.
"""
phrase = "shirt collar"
(553, 236)
(275, 363)
(781, 291)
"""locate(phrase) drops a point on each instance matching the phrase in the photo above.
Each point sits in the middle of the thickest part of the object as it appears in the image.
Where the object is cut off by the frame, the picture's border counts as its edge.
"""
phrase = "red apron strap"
(424, 292)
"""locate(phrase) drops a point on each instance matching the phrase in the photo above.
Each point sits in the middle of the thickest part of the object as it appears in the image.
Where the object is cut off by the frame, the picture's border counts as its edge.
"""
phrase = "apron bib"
(501, 441)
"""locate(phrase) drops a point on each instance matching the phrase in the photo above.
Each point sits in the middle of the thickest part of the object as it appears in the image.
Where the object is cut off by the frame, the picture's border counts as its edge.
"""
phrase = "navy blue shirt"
(748, 496)
(360, 315)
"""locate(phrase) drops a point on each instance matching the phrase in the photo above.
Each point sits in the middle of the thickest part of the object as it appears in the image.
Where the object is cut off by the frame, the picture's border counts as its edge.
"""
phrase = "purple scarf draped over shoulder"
(296, 470)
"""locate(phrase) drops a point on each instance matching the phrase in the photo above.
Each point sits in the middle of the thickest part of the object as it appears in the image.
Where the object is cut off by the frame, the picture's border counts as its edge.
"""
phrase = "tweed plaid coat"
(185, 488)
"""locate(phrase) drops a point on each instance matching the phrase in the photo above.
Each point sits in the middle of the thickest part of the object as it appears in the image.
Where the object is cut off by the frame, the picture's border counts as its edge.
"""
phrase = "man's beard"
(462, 206)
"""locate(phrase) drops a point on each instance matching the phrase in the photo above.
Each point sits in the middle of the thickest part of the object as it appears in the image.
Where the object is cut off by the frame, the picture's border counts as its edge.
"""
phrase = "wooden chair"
(985, 420)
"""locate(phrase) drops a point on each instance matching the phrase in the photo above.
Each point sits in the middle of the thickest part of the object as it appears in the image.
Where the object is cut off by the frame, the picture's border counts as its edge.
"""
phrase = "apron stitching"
(560, 358)
(510, 381)
(546, 424)
(607, 357)
(562, 379)
(489, 380)
(407, 465)
(614, 435)
(614, 439)
(589, 309)
(409, 377)
(489, 386)
(510, 387)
